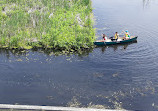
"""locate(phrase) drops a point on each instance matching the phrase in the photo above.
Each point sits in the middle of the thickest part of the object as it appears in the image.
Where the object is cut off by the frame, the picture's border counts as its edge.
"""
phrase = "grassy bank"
(58, 24)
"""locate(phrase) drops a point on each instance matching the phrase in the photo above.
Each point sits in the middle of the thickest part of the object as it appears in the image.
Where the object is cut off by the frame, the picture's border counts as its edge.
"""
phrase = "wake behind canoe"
(119, 41)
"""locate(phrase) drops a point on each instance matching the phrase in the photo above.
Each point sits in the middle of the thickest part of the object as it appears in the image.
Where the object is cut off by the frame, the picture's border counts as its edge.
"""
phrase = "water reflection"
(49, 52)
(8, 52)
(146, 3)
(115, 47)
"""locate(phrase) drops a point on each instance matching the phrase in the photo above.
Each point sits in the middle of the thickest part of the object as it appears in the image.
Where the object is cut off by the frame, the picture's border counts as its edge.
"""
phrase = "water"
(121, 76)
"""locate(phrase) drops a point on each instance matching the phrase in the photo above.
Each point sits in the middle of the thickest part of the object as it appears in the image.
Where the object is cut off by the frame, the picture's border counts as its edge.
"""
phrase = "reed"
(58, 24)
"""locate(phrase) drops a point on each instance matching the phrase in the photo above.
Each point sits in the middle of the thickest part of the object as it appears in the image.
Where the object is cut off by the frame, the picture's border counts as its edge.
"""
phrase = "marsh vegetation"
(58, 24)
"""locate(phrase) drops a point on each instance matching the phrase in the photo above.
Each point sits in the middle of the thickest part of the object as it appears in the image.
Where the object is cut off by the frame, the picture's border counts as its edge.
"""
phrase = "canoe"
(113, 42)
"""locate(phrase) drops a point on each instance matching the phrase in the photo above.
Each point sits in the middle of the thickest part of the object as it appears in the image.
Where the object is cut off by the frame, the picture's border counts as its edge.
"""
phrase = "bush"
(58, 24)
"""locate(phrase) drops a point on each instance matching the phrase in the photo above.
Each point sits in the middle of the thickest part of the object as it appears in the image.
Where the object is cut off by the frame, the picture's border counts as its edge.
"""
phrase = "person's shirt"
(116, 36)
(105, 38)
(127, 34)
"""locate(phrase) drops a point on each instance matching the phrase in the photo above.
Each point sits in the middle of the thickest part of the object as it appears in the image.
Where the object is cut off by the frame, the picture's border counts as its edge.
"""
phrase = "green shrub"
(58, 24)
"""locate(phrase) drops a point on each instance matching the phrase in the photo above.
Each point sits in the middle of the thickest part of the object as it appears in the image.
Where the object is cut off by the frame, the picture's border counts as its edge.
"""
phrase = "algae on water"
(58, 24)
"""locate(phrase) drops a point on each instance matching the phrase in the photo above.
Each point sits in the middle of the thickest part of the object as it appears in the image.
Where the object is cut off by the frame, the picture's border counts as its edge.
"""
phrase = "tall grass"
(58, 24)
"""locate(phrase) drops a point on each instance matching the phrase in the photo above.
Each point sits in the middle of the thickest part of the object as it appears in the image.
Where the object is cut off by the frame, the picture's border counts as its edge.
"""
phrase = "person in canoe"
(127, 35)
(104, 38)
(116, 36)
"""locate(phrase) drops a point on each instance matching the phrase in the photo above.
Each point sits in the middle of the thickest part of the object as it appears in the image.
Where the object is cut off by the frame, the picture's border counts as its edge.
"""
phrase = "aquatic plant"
(57, 24)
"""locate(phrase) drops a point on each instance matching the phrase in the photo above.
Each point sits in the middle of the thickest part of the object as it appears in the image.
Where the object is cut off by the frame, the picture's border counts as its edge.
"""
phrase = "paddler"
(127, 35)
(116, 36)
(104, 38)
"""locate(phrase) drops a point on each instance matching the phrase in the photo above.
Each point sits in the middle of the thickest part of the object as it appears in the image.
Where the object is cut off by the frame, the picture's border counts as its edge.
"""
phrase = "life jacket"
(116, 36)
(127, 35)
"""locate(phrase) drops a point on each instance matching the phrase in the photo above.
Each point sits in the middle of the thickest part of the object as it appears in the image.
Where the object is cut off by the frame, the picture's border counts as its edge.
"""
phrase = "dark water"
(122, 76)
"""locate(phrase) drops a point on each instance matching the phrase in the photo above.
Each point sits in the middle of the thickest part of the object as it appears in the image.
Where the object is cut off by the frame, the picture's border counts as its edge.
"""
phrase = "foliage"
(58, 24)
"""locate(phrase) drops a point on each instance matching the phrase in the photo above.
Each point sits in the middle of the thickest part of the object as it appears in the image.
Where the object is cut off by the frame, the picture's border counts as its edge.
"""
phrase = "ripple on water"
(6, 67)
